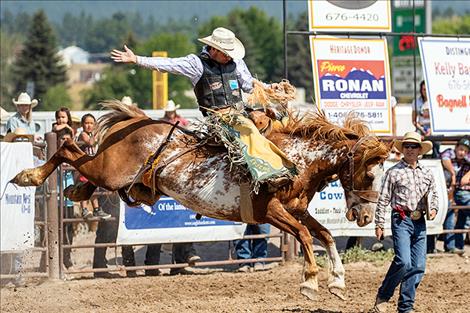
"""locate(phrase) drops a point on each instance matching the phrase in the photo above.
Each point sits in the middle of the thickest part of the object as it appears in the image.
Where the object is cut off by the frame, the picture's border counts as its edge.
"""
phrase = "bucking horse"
(201, 177)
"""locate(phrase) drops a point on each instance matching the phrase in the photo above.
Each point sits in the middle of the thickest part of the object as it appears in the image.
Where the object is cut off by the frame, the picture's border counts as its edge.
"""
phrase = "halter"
(368, 195)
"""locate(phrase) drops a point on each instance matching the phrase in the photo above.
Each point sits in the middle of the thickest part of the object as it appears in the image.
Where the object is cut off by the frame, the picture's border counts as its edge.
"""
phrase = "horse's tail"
(119, 112)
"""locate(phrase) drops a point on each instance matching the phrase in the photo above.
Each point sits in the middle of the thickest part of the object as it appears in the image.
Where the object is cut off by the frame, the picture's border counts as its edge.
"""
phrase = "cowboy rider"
(218, 73)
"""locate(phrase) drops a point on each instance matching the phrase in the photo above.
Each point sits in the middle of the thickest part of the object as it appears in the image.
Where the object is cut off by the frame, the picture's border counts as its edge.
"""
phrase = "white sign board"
(446, 67)
(352, 75)
(328, 207)
(349, 15)
(403, 79)
(17, 203)
(167, 221)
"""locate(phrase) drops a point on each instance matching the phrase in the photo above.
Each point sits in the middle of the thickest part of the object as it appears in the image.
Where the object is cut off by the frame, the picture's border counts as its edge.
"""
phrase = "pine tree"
(38, 61)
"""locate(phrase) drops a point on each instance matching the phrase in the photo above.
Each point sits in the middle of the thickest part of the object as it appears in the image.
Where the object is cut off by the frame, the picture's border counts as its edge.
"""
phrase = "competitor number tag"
(233, 84)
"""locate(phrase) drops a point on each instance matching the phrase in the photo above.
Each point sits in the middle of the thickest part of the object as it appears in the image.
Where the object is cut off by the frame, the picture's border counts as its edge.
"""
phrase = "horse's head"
(361, 178)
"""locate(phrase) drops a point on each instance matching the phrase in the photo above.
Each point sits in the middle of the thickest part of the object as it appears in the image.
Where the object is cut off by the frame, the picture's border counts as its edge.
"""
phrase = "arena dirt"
(445, 288)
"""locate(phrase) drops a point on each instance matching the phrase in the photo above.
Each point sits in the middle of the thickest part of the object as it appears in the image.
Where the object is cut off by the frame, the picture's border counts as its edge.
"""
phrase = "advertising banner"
(167, 221)
(328, 207)
(446, 70)
(349, 15)
(352, 75)
(17, 203)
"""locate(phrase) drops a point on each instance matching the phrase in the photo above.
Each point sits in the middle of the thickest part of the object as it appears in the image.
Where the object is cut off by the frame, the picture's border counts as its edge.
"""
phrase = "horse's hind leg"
(336, 283)
(80, 191)
(277, 216)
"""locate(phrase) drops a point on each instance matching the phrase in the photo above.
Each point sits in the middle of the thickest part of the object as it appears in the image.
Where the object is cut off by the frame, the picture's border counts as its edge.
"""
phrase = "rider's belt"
(404, 212)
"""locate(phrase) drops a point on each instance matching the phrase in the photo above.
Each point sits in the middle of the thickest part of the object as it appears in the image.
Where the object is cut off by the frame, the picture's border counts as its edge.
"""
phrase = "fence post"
(52, 213)
(289, 247)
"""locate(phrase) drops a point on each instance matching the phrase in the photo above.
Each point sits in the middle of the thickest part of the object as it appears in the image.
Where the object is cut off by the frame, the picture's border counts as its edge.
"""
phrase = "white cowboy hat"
(414, 137)
(20, 134)
(127, 100)
(171, 106)
(24, 98)
(224, 40)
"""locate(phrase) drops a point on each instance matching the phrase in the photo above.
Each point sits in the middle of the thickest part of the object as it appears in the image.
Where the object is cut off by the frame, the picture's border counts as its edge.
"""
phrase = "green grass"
(358, 254)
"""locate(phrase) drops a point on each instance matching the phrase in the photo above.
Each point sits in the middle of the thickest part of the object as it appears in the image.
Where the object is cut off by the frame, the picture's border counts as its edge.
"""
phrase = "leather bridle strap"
(368, 195)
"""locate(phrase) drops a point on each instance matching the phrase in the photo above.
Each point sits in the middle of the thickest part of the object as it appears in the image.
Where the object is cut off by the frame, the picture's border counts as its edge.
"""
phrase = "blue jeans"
(409, 263)
(461, 197)
(253, 248)
(449, 223)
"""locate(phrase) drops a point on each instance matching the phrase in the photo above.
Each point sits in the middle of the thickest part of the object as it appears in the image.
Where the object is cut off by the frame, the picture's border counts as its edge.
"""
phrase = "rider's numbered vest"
(218, 86)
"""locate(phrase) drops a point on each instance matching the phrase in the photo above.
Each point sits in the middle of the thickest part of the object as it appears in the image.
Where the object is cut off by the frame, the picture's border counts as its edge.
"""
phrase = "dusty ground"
(445, 288)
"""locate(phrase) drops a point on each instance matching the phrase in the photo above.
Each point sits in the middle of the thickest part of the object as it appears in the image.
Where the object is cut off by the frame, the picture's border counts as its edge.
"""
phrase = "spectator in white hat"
(128, 101)
(171, 115)
(23, 118)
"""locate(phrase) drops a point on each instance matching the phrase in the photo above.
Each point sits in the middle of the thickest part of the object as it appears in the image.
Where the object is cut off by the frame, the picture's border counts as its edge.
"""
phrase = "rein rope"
(368, 195)
(149, 163)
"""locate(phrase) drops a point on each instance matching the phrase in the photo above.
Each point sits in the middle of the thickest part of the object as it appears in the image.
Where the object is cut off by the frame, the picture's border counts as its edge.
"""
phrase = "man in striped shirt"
(406, 189)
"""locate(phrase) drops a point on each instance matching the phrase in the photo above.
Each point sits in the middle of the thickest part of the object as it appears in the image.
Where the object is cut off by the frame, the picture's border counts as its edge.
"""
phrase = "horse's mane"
(119, 112)
(316, 126)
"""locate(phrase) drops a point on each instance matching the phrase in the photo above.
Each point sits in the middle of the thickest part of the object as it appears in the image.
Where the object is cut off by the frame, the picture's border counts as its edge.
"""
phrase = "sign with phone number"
(349, 15)
(352, 77)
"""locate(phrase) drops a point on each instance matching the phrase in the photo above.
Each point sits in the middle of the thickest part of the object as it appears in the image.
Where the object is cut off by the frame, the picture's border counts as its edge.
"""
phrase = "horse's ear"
(370, 174)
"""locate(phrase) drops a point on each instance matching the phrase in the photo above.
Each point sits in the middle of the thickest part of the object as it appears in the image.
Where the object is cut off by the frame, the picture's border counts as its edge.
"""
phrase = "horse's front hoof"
(337, 292)
(307, 290)
(26, 178)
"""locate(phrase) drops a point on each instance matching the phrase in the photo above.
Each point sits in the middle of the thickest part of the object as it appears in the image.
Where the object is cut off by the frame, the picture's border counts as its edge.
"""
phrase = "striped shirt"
(405, 186)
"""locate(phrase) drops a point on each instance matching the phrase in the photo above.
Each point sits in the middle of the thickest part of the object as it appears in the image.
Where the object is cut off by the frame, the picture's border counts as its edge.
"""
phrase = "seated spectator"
(87, 142)
(456, 163)
(253, 248)
(23, 118)
(128, 101)
(181, 253)
(171, 115)
(63, 120)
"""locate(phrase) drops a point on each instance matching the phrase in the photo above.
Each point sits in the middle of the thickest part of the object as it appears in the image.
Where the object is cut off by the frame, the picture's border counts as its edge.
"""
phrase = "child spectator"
(63, 120)
(423, 123)
(87, 142)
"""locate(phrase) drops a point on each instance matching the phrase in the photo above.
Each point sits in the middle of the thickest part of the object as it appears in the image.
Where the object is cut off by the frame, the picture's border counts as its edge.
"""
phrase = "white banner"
(446, 66)
(17, 203)
(167, 221)
(352, 75)
(329, 207)
(349, 15)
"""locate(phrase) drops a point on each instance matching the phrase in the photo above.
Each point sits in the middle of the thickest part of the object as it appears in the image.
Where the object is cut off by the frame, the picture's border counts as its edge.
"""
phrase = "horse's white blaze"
(378, 172)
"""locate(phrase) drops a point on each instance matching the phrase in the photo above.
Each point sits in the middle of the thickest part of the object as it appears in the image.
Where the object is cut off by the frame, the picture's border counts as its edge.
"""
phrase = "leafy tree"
(114, 84)
(177, 45)
(453, 25)
(56, 97)
(9, 44)
(266, 33)
(38, 62)
(299, 62)
(261, 36)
